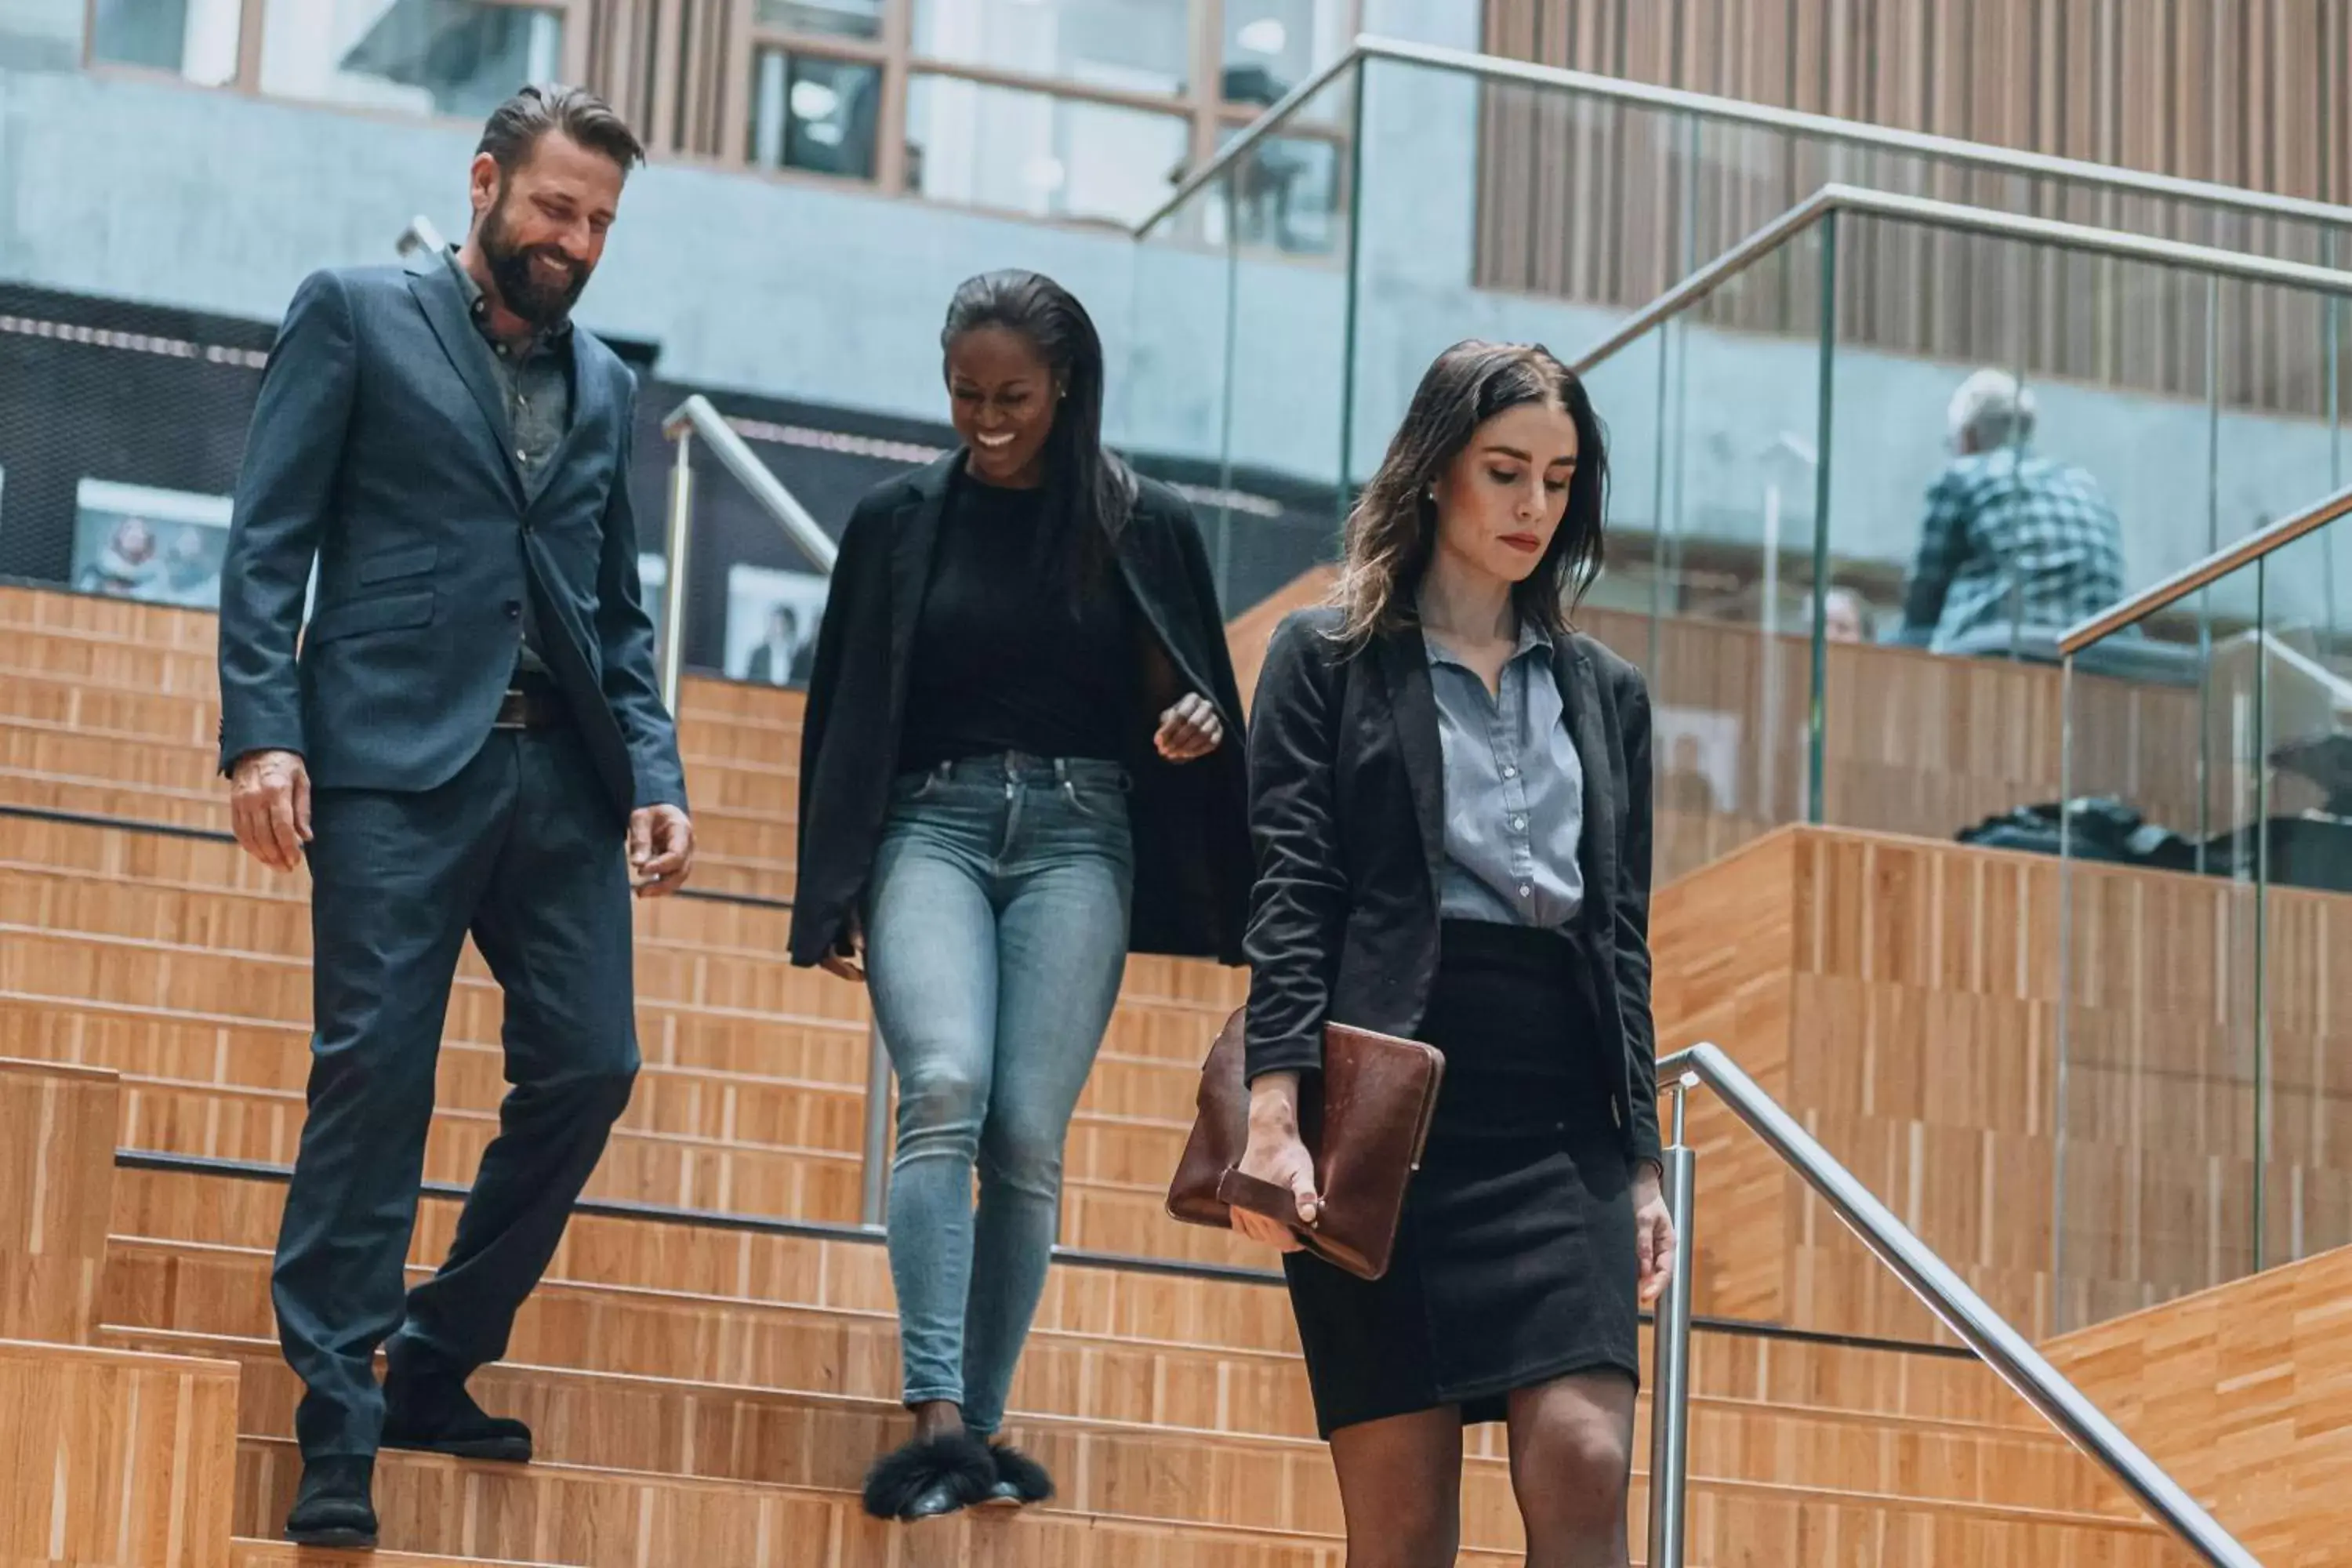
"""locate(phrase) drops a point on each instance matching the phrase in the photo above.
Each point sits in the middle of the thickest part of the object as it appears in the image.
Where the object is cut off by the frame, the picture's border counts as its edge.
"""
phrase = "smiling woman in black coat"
(1021, 761)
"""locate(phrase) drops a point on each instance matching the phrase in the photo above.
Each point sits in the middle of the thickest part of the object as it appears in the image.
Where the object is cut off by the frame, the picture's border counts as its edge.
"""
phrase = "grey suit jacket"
(379, 448)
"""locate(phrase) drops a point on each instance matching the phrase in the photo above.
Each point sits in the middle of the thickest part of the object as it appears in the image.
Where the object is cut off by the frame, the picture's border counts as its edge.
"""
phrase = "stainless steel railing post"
(1670, 1345)
(678, 538)
(875, 1175)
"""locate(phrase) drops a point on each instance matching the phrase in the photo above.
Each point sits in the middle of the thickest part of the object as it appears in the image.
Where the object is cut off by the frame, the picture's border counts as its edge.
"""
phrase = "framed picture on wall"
(771, 623)
(158, 546)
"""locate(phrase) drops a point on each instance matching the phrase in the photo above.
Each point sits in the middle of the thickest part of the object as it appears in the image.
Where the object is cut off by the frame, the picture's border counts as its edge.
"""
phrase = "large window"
(1086, 109)
(1076, 108)
(459, 57)
(193, 38)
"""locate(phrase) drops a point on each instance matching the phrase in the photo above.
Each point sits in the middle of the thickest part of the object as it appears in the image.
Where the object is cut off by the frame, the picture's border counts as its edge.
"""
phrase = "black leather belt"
(531, 705)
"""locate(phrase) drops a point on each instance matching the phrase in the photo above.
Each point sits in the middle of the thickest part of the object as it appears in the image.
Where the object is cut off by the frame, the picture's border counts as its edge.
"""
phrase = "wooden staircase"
(709, 1390)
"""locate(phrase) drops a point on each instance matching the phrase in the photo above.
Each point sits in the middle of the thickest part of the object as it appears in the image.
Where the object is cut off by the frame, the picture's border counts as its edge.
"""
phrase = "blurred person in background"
(1021, 762)
(127, 568)
(781, 658)
(1844, 618)
(470, 740)
(2013, 542)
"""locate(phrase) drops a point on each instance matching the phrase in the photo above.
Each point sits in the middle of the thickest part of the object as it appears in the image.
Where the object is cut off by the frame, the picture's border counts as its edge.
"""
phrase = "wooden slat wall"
(1901, 999)
(668, 65)
(2240, 1393)
(115, 1460)
(1614, 204)
(57, 1193)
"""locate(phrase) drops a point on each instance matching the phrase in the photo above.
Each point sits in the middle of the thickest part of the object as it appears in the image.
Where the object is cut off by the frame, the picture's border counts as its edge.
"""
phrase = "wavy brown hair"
(1393, 528)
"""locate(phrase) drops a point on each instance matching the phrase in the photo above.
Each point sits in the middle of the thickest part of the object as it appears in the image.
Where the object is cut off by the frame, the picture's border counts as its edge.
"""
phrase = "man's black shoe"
(436, 1415)
(333, 1507)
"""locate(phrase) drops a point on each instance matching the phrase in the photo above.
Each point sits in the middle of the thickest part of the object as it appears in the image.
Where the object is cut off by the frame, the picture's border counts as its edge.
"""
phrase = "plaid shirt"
(2011, 541)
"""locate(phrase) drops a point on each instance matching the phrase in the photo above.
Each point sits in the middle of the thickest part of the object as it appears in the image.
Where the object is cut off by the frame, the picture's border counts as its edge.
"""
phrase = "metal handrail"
(1789, 122)
(1990, 222)
(698, 416)
(1944, 1293)
(2202, 573)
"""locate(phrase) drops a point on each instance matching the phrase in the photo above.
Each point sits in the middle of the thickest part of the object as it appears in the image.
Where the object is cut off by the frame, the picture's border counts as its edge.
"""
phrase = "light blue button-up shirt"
(1514, 791)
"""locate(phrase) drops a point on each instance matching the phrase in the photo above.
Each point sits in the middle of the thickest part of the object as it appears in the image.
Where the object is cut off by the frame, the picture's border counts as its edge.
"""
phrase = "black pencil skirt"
(1515, 1263)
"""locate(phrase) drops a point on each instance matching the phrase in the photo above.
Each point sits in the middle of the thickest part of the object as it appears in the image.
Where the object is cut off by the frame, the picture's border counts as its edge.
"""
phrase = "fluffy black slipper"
(1020, 1479)
(929, 1476)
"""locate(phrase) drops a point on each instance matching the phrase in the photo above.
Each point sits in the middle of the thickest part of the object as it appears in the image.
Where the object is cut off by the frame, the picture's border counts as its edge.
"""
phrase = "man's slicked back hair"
(514, 127)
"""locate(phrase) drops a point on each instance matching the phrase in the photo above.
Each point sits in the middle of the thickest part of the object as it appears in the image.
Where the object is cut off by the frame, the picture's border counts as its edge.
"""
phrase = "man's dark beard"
(541, 304)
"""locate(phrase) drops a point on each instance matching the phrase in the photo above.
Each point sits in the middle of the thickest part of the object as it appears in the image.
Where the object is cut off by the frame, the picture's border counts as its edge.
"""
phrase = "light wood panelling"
(1615, 204)
(618, 1520)
(1067, 1372)
(597, 1517)
(1167, 1472)
(2243, 1394)
(1912, 742)
(57, 1196)
(115, 1460)
(1902, 998)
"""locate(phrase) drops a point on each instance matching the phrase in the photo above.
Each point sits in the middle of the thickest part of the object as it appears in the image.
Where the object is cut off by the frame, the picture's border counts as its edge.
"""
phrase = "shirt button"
(514, 609)
(1517, 823)
(1509, 771)
(1526, 891)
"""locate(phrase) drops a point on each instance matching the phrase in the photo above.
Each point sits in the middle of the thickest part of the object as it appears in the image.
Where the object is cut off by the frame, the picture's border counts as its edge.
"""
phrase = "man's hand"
(269, 799)
(661, 850)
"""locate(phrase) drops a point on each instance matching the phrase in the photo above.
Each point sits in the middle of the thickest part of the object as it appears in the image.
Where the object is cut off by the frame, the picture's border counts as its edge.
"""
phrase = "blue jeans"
(996, 937)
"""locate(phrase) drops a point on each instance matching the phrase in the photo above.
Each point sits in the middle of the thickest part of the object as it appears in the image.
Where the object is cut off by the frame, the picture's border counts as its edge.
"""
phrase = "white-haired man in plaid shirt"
(2013, 542)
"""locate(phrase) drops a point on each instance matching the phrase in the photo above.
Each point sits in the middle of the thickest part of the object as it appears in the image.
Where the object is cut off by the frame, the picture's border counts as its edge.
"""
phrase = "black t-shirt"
(1001, 660)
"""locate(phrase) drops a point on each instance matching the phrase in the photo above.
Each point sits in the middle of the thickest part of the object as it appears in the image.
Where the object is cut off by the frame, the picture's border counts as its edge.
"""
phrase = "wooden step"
(576, 1514)
(159, 1287)
(684, 951)
(809, 1072)
(712, 721)
(181, 891)
(729, 999)
(246, 1553)
(705, 1281)
(796, 1438)
(618, 1518)
(103, 661)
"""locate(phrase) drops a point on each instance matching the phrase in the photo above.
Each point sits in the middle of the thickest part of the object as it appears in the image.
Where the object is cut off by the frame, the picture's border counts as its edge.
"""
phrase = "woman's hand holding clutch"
(1276, 1155)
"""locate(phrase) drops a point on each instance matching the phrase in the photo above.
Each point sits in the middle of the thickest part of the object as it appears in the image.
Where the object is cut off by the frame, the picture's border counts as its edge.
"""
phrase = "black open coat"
(1348, 804)
(1190, 820)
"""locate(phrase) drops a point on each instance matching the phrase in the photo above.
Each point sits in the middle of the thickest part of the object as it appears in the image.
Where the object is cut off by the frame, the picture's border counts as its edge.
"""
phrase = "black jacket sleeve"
(1225, 693)
(1630, 938)
(632, 682)
(1299, 908)
(284, 492)
(863, 550)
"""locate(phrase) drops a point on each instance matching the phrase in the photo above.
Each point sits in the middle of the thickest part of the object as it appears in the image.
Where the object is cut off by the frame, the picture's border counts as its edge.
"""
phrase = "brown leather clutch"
(1364, 1117)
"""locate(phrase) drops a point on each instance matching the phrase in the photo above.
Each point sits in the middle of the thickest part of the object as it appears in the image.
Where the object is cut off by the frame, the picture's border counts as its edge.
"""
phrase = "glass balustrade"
(2201, 1132)
(1782, 441)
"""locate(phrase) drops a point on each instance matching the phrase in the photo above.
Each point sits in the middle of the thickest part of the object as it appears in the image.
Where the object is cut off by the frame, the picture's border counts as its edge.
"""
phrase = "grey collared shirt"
(1514, 791)
(534, 382)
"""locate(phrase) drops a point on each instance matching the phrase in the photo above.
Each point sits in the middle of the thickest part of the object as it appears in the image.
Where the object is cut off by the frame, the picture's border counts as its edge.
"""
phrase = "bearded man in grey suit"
(471, 739)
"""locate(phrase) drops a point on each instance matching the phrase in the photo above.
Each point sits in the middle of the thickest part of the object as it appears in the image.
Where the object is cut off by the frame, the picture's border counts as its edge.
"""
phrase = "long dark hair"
(1393, 528)
(1088, 492)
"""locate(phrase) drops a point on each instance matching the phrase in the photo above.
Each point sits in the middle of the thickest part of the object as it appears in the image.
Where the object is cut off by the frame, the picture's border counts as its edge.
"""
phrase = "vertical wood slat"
(56, 1184)
(2244, 92)
(115, 1460)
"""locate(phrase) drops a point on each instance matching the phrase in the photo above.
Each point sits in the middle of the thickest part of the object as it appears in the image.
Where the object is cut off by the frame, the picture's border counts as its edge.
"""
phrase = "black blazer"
(379, 448)
(1347, 809)
(1190, 820)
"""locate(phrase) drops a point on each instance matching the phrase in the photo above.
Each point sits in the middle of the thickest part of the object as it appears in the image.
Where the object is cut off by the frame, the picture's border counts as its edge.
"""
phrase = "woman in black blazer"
(1016, 769)
(1450, 793)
